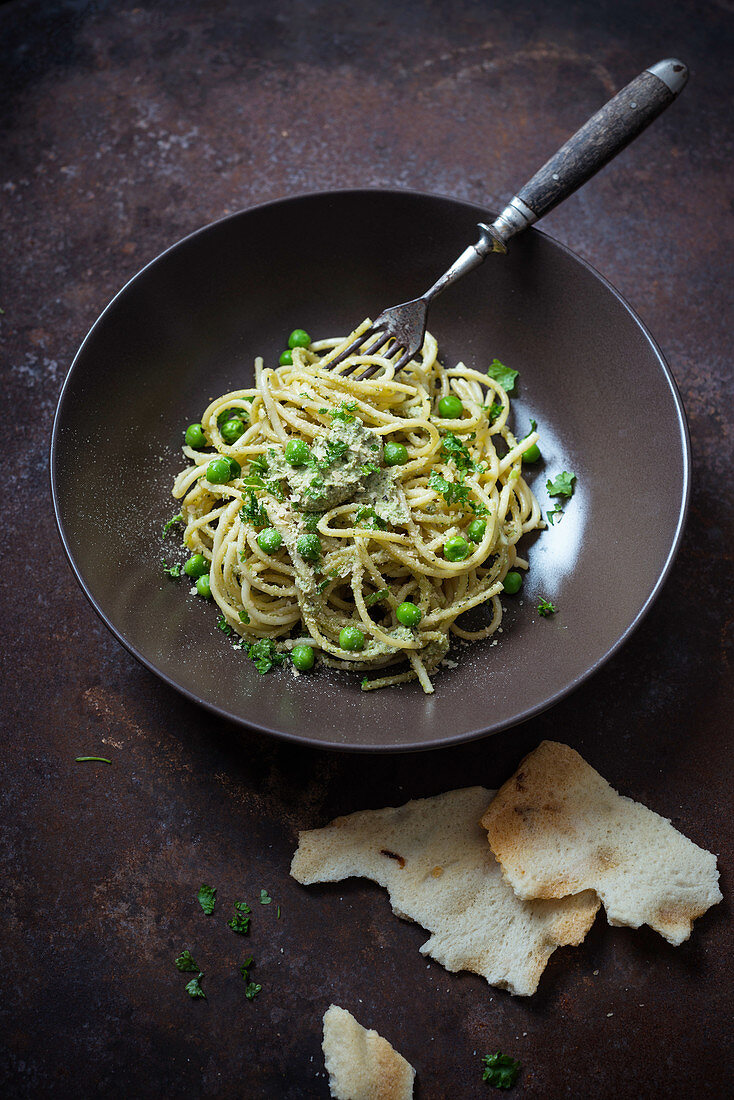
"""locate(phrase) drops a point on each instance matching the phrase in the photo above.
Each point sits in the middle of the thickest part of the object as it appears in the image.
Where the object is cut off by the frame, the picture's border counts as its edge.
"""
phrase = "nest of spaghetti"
(350, 499)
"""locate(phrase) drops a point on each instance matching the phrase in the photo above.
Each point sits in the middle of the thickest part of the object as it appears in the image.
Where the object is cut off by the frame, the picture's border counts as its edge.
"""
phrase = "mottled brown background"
(125, 126)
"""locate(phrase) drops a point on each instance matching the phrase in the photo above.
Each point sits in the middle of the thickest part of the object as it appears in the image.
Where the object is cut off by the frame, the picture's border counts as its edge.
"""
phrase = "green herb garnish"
(207, 898)
(171, 523)
(265, 654)
(345, 412)
(562, 486)
(240, 922)
(244, 618)
(224, 625)
(194, 989)
(252, 511)
(377, 596)
(89, 759)
(252, 990)
(330, 576)
(265, 897)
(258, 465)
(557, 511)
(493, 410)
(453, 492)
(453, 448)
(502, 374)
(310, 520)
(172, 570)
(500, 1070)
(368, 468)
(545, 608)
(185, 962)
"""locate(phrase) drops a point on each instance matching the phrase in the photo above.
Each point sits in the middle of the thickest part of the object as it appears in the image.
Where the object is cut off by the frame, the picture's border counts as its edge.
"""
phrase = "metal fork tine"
(404, 360)
(376, 366)
(353, 347)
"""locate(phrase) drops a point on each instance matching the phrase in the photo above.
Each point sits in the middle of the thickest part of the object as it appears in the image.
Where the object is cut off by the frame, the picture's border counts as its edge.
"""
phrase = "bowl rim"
(445, 742)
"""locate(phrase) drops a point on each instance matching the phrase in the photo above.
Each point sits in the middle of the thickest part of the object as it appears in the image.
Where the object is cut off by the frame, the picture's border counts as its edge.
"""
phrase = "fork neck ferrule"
(515, 217)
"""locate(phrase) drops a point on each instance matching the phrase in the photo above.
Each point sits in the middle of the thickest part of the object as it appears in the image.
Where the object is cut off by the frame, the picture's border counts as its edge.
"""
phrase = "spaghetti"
(360, 518)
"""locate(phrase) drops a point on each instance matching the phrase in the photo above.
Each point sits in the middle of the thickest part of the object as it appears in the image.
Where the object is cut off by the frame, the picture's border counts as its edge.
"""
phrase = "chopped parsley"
(453, 448)
(330, 576)
(252, 990)
(502, 374)
(546, 608)
(224, 625)
(172, 570)
(185, 962)
(89, 759)
(377, 596)
(493, 410)
(557, 511)
(244, 618)
(258, 465)
(265, 654)
(265, 897)
(171, 523)
(368, 468)
(310, 520)
(240, 922)
(244, 969)
(345, 412)
(453, 492)
(366, 511)
(335, 449)
(252, 511)
(562, 486)
(194, 989)
(207, 898)
(277, 913)
(500, 1070)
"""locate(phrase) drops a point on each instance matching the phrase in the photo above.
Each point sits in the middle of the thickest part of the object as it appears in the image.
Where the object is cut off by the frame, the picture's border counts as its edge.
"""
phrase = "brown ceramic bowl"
(188, 327)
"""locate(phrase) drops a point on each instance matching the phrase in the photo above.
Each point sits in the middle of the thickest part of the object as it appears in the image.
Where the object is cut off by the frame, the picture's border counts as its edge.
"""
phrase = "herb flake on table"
(171, 570)
(207, 898)
(265, 654)
(194, 989)
(185, 962)
(500, 1070)
(240, 922)
(265, 897)
(170, 523)
(561, 486)
(546, 608)
(90, 759)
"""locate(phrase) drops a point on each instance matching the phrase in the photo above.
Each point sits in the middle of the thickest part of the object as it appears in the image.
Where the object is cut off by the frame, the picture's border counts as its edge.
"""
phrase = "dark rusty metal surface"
(124, 127)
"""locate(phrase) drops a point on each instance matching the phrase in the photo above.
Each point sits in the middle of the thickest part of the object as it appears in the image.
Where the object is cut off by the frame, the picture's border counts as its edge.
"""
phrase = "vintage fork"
(606, 133)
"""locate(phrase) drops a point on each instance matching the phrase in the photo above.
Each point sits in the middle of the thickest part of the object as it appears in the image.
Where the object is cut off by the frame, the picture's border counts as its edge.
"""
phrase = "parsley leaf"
(500, 1070)
(563, 486)
(493, 410)
(185, 961)
(345, 412)
(330, 576)
(240, 922)
(245, 967)
(207, 898)
(557, 511)
(170, 523)
(265, 654)
(244, 618)
(366, 511)
(171, 570)
(453, 492)
(335, 449)
(258, 465)
(252, 511)
(310, 520)
(194, 989)
(265, 897)
(368, 468)
(377, 596)
(545, 608)
(453, 448)
(224, 625)
(252, 990)
(502, 374)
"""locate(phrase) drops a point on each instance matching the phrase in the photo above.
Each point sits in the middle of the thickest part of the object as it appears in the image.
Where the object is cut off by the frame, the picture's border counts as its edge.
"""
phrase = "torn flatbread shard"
(557, 827)
(360, 1063)
(432, 857)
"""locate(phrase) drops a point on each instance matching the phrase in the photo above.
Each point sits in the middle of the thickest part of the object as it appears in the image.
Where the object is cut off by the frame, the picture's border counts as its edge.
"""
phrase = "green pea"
(408, 614)
(476, 529)
(299, 338)
(309, 547)
(450, 408)
(219, 471)
(203, 586)
(456, 548)
(286, 359)
(512, 584)
(234, 466)
(270, 540)
(351, 637)
(195, 436)
(297, 452)
(303, 657)
(196, 566)
(532, 454)
(395, 454)
(232, 430)
(232, 414)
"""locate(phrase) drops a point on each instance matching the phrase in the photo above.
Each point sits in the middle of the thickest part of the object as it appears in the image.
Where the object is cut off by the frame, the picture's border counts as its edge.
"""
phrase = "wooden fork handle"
(606, 133)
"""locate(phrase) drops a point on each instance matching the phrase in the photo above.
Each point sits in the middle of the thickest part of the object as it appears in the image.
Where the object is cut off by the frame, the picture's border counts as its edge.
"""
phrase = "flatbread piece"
(557, 827)
(432, 856)
(360, 1063)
